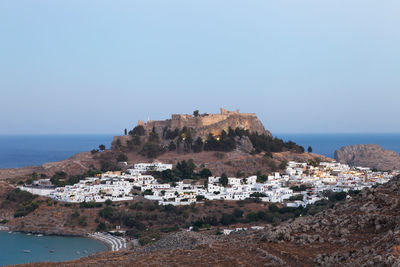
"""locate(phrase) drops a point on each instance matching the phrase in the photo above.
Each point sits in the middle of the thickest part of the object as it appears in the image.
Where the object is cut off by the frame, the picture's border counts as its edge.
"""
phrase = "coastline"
(113, 243)
(4, 228)
(38, 248)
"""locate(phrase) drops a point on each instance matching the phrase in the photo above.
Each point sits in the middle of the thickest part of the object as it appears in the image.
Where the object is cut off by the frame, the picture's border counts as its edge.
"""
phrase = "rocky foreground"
(363, 231)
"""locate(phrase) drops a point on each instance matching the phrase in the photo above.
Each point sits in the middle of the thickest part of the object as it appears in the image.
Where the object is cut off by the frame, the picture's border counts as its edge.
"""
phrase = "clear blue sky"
(99, 66)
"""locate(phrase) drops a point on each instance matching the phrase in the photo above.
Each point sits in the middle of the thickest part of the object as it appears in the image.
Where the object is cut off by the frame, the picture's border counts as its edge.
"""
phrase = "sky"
(96, 66)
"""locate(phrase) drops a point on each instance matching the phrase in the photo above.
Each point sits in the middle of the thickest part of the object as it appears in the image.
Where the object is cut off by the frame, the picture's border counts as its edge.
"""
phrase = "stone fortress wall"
(202, 125)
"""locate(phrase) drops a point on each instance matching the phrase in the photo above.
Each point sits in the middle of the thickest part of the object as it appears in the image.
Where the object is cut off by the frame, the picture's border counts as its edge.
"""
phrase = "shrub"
(296, 197)
(252, 216)
(169, 229)
(101, 227)
(26, 209)
(200, 197)
(107, 212)
(227, 219)
(18, 195)
(238, 213)
(257, 194)
(273, 208)
(122, 158)
(82, 221)
(90, 205)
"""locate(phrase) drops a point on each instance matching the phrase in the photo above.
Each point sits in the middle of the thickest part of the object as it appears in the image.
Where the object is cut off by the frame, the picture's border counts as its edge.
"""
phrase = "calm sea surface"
(33, 150)
(326, 144)
(12, 248)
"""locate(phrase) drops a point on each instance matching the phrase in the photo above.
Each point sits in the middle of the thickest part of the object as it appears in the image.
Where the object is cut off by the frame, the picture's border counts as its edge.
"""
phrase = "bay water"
(16, 248)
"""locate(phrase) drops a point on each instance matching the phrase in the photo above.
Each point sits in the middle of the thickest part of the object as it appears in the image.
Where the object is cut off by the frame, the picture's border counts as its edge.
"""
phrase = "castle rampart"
(204, 124)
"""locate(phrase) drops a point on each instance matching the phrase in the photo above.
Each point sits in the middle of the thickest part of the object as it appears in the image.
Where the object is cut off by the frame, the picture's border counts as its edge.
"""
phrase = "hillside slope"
(362, 231)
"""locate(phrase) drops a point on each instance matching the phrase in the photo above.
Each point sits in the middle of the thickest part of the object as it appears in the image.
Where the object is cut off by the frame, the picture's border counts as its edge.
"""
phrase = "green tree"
(101, 227)
(153, 137)
(122, 158)
(238, 213)
(198, 145)
(102, 147)
(186, 169)
(138, 130)
(171, 146)
(283, 165)
(223, 180)
(126, 131)
(196, 113)
(205, 173)
(151, 150)
(309, 149)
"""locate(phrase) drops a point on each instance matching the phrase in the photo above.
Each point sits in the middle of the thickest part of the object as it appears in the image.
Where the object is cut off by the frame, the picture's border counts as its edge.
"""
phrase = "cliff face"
(204, 124)
(372, 156)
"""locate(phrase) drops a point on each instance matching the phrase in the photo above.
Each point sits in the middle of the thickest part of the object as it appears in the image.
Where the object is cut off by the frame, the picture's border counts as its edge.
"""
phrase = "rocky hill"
(76, 164)
(201, 124)
(372, 156)
(362, 231)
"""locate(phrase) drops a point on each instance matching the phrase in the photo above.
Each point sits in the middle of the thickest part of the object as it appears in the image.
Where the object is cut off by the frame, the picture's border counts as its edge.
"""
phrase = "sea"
(17, 248)
(327, 144)
(33, 150)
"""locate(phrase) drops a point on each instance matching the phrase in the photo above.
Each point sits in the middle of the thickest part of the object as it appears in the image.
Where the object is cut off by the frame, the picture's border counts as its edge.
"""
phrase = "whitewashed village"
(300, 184)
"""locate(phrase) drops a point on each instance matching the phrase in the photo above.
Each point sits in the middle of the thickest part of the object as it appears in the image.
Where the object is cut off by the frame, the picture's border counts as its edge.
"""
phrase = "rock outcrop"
(362, 231)
(372, 156)
(202, 125)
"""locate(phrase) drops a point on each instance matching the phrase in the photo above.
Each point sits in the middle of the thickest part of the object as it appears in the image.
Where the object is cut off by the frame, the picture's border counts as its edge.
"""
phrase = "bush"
(82, 221)
(108, 165)
(257, 194)
(138, 130)
(147, 192)
(337, 196)
(152, 150)
(300, 188)
(227, 219)
(18, 195)
(296, 197)
(273, 208)
(224, 143)
(122, 158)
(75, 214)
(107, 212)
(200, 197)
(238, 213)
(90, 205)
(205, 173)
(26, 209)
(149, 239)
(101, 227)
(252, 216)
(169, 229)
